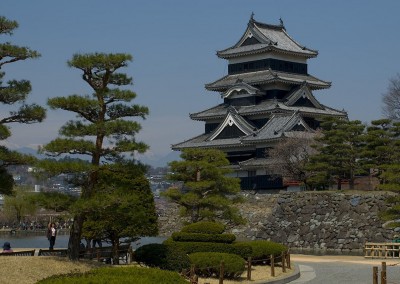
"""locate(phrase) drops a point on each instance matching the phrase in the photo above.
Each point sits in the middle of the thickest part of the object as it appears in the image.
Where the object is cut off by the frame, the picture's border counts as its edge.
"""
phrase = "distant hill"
(160, 161)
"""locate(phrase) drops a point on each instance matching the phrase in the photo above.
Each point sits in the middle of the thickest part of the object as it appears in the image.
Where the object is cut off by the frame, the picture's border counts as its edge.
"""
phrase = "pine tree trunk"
(75, 238)
(115, 248)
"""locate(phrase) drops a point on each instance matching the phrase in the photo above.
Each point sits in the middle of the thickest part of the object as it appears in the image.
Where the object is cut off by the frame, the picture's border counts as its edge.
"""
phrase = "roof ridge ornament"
(281, 23)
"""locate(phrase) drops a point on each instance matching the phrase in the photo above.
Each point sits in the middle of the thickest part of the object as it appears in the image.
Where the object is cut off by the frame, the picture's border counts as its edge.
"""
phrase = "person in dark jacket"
(7, 247)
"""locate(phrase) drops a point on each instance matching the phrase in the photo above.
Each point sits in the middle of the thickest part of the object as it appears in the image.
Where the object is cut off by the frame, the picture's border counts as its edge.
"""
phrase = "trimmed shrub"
(241, 249)
(109, 275)
(197, 237)
(162, 256)
(263, 249)
(207, 264)
(204, 228)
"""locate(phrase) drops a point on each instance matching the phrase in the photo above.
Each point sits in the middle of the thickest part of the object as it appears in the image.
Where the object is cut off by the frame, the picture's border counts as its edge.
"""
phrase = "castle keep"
(267, 97)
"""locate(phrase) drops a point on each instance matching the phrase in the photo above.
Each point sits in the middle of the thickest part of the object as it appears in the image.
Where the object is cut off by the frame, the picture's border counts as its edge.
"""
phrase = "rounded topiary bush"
(198, 237)
(109, 275)
(162, 256)
(263, 249)
(207, 264)
(204, 227)
(241, 248)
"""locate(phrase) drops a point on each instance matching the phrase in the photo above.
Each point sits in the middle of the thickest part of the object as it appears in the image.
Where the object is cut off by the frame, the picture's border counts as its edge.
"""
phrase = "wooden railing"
(382, 250)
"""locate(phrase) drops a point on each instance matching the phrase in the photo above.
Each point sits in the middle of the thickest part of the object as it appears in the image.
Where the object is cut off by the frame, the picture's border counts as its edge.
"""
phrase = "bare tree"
(391, 99)
(289, 157)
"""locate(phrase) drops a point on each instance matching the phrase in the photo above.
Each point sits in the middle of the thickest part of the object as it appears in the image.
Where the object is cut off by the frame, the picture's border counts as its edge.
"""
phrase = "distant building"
(267, 96)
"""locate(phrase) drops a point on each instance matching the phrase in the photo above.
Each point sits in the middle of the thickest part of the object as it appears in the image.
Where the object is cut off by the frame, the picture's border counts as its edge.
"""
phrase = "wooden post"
(375, 275)
(383, 273)
(283, 256)
(191, 275)
(249, 268)
(272, 265)
(288, 260)
(221, 273)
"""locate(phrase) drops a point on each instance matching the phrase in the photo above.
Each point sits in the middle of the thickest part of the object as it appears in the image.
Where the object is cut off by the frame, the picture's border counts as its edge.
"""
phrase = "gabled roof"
(266, 77)
(202, 141)
(265, 107)
(232, 118)
(277, 126)
(302, 92)
(260, 38)
(240, 87)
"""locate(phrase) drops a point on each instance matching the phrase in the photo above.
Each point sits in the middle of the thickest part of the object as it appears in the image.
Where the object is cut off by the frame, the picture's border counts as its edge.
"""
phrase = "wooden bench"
(106, 253)
(53, 252)
(19, 253)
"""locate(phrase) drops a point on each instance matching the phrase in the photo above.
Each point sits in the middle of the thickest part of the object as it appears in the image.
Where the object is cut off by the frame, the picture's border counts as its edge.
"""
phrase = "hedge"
(114, 275)
(207, 264)
(197, 237)
(240, 249)
(204, 227)
(162, 256)
(263, 249)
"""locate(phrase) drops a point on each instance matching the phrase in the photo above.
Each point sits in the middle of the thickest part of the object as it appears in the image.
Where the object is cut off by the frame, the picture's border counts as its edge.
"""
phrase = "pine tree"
(14, 92)
(208, 193)
(339, 152)
(103, 131)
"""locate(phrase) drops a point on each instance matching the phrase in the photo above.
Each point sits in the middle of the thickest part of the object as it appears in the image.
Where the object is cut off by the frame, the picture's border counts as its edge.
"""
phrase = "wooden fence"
(282, 260)
(382, 250)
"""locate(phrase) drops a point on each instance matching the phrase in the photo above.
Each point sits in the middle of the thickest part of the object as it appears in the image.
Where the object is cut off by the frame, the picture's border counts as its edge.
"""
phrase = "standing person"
(51, 234)
(7, 247)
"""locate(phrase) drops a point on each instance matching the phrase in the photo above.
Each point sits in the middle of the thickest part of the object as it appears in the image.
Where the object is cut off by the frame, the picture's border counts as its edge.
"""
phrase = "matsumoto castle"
(267, 97)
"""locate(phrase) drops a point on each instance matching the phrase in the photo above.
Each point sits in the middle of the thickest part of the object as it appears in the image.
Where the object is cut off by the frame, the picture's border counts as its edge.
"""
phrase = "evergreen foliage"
(240, 249)
(104, 131)
(197, 237)
(14, 93)
(107, 275)
(208, 193)
(207, 264)
(162, 256)
(339, 153)
(204, 227)
(19, 204)
(262, 249)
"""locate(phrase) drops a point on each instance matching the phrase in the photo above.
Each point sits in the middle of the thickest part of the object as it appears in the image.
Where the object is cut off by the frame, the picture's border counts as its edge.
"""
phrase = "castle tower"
(267, 97)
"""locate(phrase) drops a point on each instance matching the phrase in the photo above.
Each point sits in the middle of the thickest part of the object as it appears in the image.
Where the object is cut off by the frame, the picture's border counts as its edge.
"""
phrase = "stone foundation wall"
(308, 220)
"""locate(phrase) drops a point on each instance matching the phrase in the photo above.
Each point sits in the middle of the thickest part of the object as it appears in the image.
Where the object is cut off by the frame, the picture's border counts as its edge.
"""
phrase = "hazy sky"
(174, 45)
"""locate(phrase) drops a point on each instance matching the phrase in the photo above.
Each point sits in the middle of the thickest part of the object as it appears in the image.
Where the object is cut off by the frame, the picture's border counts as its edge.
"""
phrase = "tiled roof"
(265, 107)
(202, 142)
(270, 38)
(276, 127)
(254, 162)
(265, 77)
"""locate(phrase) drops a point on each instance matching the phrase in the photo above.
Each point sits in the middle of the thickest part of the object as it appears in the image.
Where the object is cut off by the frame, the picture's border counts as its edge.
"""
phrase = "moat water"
(39, 240)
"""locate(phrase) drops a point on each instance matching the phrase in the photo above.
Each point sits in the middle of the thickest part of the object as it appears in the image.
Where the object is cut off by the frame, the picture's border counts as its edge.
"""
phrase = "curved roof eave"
(273, 80)
(266, 50)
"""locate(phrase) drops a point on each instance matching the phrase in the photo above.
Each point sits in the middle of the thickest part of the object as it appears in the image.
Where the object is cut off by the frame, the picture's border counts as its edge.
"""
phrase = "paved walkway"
(342, 269)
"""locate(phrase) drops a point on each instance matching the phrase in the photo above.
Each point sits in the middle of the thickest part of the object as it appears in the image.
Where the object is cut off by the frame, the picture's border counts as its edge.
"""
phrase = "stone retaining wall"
(308, 220)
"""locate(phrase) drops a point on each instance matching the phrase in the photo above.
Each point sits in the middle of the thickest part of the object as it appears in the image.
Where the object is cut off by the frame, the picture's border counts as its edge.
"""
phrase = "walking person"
(51, 234)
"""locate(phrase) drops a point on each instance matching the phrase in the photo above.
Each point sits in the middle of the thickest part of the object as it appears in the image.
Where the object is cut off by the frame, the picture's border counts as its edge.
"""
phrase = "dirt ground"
(258, 273)
(30, 269)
